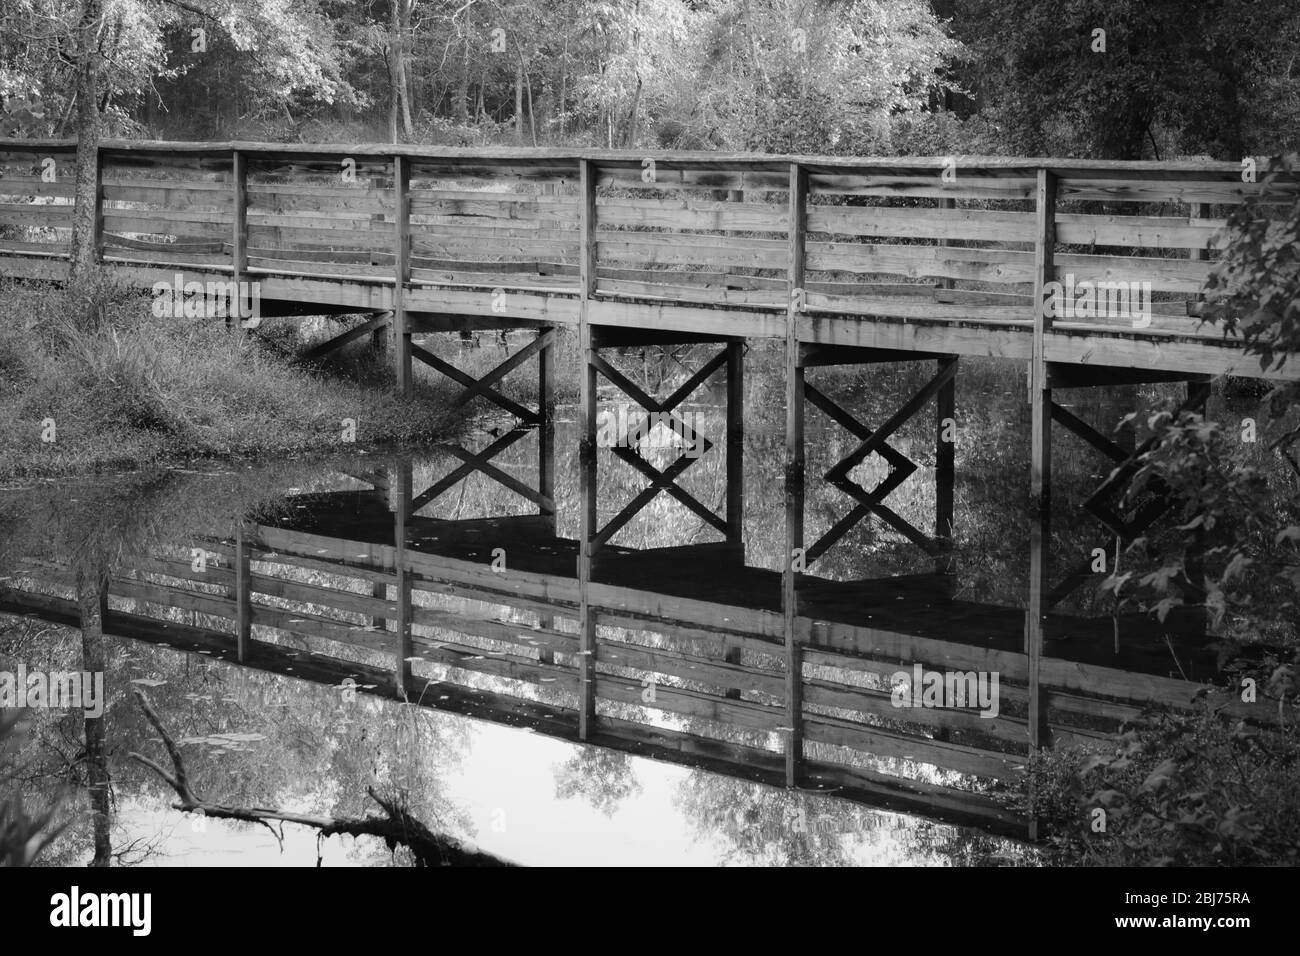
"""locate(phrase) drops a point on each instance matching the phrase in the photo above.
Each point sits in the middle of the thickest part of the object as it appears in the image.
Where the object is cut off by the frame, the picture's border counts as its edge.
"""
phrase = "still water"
(686, 764)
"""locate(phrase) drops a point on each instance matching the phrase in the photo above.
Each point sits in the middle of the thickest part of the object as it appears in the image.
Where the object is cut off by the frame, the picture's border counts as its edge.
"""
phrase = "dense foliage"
(837, 76)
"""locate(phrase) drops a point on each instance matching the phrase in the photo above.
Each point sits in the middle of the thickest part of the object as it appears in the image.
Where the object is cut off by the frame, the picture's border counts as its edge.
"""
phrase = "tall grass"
(126, 388)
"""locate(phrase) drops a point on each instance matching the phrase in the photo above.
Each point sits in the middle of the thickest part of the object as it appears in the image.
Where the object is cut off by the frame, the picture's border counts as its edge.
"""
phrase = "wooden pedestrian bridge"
(935, 256)
(774, 674)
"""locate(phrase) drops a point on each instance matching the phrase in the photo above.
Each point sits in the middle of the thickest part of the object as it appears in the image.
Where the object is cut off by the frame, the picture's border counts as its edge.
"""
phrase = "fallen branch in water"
(396, 828)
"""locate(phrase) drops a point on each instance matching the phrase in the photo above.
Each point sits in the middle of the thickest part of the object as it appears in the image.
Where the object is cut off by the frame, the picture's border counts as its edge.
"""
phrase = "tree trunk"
(519, 102)
(629, 137)
(93, 661)
(403, 66)
(461, 102)
(564, 87)
(83, 254)
(528, 86)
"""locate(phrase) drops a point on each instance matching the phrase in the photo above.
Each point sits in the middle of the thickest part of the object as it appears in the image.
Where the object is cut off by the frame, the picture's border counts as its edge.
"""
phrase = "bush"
(1177, 790)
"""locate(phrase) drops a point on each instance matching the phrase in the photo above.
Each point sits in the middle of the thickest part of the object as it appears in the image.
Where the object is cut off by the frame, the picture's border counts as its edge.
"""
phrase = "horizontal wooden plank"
(1164, 275)
(173, 597)
(910, 307)
(943, 262)
(1154, 231)
(324, 221)
(494, 206)
(55, 247)
(690, 667)
(319, 267)
(456, 246)
(1183, 191)
(35, 214)
(878, 704)
(690, 703)
(969, 185)
(956, 224)
(885, 743)
(30, 185)
(691, 292)
(691, 214)
(654, 249)
(667, 178)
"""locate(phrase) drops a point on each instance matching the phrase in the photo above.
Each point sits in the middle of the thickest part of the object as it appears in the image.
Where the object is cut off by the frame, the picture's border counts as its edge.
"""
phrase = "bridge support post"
(794, 558)
(586, 660)
(402, 272)
(945, 458)
(736, 446)
(243, 591)
(400, 485)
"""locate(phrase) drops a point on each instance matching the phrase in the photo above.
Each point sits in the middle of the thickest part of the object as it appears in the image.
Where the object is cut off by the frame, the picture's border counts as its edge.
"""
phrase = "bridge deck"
(917, 255)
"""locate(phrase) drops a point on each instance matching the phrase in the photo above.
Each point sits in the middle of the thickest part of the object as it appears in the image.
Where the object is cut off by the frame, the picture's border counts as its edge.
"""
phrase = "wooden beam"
(543, 340)
(1090, 376)
(97, 221)
(913, 405)
(794, 474)
(401, 271)
(472, 385)
(736, 443)
(400, 483)
(239, 221)
(945, 455)
(463, 471)
(243, 591)
(482, 464)
(380, 321)
(1040, 474)
(1035, 616)
(546, 423)
(588, 480)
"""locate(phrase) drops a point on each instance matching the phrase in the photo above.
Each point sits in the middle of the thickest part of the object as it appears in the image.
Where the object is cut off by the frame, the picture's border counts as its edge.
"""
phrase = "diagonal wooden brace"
(468, 468)
(665, 480)
(475, 388)
(896, 421)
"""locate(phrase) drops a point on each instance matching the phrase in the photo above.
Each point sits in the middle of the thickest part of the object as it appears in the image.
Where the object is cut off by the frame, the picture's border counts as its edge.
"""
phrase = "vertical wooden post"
(946, 202)
(239, 231)
(1197, 211)
(588, 480)
(380, 590)
(379, 337)
(1040, 453)
(401, 491)
(1040, 394)
(401, 271)
(243, 590)
(794, 473)
(97, 230)
(1035, 617)
(945, 457)
(736, 446)
(546, 425)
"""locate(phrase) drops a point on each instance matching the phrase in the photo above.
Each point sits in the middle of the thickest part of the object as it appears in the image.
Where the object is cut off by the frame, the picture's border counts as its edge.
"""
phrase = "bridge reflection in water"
(683, 653)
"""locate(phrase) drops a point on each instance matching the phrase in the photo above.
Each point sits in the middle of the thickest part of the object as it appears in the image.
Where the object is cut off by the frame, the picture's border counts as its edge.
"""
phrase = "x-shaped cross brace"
(481, 462)
(482, 387)
(666, 479)
(901, 468)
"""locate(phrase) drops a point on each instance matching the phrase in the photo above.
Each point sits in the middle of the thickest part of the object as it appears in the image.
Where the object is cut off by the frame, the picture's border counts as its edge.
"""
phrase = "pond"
(310, 629)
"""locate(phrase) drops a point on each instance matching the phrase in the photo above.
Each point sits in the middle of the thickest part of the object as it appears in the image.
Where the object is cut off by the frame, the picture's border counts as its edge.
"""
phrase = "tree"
(1163, 76)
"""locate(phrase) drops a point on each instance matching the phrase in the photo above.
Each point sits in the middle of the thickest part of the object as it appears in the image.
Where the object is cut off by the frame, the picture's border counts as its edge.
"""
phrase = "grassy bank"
(133, 389)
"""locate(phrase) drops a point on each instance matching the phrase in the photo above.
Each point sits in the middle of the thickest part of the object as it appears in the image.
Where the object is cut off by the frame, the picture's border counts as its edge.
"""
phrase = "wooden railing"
(959, 241)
